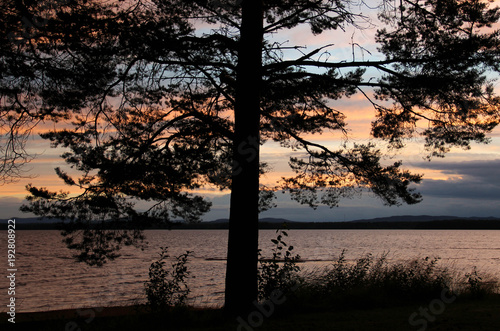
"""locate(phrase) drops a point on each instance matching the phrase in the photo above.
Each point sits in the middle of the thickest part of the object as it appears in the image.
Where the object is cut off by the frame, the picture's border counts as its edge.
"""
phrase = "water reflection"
(50, 279)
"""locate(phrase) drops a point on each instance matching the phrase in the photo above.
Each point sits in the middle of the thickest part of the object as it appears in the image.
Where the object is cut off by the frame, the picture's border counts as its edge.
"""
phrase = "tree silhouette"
(168, 96)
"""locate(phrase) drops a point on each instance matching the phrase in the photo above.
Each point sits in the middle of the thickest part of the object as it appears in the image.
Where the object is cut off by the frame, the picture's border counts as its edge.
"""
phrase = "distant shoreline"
(467, 224)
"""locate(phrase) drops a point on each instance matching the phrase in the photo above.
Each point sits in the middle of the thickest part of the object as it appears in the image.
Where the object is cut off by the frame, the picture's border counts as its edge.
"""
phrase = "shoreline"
(78, 313)
(463, 314)
(428, 225)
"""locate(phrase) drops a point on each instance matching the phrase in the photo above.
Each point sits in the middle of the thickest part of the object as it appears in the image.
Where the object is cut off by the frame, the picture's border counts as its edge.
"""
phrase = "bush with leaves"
(279, 272)
(167, 288)
(479, 284)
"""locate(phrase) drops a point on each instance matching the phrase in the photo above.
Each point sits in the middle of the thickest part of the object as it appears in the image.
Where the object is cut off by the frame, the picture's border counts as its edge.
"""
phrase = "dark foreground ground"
(462, 314)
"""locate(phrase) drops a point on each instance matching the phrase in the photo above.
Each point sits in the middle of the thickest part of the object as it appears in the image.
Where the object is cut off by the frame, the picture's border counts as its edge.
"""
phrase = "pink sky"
(448, 175)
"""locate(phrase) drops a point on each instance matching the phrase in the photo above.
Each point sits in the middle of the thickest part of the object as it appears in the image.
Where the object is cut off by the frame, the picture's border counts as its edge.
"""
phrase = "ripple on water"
(52, 279)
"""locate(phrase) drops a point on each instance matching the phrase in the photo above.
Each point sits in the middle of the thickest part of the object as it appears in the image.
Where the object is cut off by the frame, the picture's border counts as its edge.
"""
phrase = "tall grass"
(375, 281)
(369, 280)
(366, 281)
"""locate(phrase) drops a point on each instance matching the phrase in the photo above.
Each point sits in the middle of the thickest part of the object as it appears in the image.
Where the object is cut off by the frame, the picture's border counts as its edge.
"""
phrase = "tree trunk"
(242, 258)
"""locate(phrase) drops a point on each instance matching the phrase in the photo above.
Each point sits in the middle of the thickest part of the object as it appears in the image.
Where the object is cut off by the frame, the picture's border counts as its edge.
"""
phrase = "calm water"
(48, 278)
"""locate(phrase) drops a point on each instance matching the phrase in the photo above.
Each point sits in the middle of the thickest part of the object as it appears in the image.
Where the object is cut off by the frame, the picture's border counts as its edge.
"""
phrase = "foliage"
(167, 288)
(369, 278)
(478, 285)
(153, 101)
(95, 246)
(474, 282)
(279, 273)
(150, 97)
(416, 278)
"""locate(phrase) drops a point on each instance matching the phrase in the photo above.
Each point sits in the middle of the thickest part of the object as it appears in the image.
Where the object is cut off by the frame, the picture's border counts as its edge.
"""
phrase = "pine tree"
(168, 96)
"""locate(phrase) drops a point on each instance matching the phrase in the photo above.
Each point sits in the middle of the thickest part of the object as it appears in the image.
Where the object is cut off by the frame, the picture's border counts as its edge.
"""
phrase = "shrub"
(478, 285)
(281, 271)
(167, 288)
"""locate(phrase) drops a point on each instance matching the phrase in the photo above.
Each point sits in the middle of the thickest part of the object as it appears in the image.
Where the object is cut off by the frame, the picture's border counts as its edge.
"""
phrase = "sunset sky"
(465, 183)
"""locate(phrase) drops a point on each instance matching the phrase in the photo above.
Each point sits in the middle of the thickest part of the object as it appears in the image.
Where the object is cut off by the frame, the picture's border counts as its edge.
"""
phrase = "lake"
(48, 278)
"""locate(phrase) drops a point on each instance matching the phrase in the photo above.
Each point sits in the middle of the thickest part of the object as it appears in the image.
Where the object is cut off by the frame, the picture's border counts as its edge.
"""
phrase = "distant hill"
(34, 223)
(30, 220)
(422, 218)
(390, 219)
(393, 222)
(261, 220)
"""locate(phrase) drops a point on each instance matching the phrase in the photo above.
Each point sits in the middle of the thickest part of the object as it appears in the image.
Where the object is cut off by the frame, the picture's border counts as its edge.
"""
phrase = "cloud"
(478, 179)
(472, 189)
(478, 169)
(460, 189)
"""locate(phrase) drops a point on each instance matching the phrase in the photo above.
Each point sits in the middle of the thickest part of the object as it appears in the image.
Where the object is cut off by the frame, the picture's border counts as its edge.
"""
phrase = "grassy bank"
(462, 314)
(369, 293)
